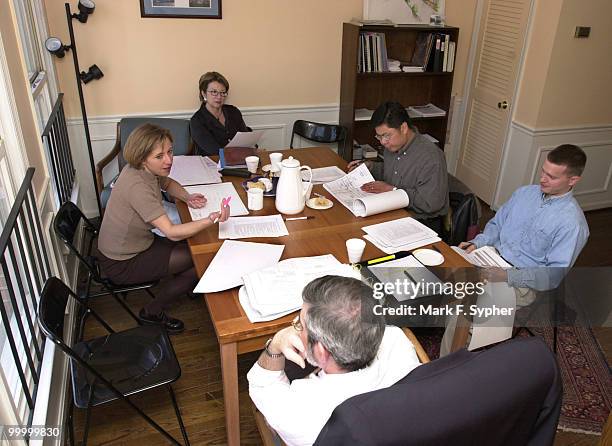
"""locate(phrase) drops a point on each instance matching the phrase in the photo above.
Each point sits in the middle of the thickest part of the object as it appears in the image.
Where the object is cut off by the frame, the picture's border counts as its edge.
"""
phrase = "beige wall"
(577, 89)
(23, 97)
(460, 13)
(566, 80)
(273, 52)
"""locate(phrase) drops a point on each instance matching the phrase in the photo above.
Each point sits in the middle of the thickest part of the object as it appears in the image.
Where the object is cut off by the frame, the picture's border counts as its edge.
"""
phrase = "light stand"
(55, 46)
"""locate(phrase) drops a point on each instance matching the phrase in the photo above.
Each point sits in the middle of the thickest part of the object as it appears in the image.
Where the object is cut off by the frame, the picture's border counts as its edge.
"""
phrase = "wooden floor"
(199, 390)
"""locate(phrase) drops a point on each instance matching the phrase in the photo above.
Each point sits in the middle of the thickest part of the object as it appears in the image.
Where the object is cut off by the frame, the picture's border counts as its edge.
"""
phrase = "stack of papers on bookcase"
(425, 111)
(187, 170)
(274, 291)
(403, 234)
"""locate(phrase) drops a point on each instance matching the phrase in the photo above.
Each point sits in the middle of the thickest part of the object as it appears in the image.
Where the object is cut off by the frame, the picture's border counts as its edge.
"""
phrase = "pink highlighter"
(224, 203)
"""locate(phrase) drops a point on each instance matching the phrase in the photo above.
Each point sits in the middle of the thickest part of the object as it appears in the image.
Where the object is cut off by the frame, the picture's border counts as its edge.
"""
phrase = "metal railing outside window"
(24, 269)
(55, 139)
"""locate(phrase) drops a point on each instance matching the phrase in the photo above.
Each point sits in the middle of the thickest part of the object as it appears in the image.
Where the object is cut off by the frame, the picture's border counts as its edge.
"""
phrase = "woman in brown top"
(129, 251)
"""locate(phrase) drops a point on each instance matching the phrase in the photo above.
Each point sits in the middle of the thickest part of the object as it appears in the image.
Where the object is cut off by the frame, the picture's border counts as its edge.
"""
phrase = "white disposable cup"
(354, 248)
(255, 199)
(275, 160)
(252, 162)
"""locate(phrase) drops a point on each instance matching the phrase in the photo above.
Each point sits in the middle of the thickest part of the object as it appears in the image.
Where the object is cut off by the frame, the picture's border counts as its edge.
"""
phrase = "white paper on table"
(253, 314)
(214, 193)
(347, 190)
(235, 259)
(188, 170)
(322, 175)
(279, 288)
(408, 247)
(483, 256)
(256, 226)
(245, 139)
(498, 327)
(399, 232)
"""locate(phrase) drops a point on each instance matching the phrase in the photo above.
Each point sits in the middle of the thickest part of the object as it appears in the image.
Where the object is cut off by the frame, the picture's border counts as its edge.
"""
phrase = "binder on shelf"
(421, 52)
(446, 51)
(436, 62)
(451, 57)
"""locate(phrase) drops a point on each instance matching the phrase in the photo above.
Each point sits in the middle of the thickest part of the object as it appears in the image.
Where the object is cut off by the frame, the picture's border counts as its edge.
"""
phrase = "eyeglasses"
(217, 93)
(385, 137)
(297, 324)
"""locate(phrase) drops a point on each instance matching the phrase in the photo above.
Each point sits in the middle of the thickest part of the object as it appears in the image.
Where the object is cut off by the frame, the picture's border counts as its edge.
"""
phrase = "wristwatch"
(271, 355)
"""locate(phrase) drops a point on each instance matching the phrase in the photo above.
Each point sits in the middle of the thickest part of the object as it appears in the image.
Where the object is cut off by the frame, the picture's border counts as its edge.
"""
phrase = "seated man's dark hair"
(341, 317)
(392, 114)
(569, 155)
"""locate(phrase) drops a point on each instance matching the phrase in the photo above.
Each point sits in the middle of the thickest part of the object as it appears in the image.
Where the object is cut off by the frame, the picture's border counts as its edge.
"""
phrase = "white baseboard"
(527, 149)
(277, 121)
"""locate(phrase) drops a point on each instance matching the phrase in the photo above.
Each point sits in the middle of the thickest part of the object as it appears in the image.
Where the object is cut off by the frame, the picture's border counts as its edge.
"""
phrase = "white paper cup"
(255, 199)
(354, 248)
(252, 162)
(275, 160)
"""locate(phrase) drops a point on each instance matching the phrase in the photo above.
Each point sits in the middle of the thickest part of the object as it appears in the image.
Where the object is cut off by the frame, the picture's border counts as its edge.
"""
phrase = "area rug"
(586, 376)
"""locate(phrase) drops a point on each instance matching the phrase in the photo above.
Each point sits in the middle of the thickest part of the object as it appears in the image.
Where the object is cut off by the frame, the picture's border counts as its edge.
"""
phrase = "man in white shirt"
(338, 332)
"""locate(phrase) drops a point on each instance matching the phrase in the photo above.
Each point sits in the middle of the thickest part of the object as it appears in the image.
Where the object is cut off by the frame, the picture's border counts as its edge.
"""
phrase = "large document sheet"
(189, 170)
(483, 256)
(347, 190)
(234, 260)
(248, 227)
(245, 139)
(271, 292)
(214, 193)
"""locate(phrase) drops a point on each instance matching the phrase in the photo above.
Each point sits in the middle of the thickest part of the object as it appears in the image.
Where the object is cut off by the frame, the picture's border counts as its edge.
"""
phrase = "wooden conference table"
(325, 234)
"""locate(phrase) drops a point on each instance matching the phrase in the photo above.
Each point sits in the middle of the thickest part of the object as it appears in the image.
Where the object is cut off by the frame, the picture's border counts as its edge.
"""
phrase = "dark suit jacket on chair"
(507, 395)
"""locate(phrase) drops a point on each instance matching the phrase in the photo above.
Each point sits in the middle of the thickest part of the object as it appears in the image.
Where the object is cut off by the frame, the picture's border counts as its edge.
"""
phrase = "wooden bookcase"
(369, 90)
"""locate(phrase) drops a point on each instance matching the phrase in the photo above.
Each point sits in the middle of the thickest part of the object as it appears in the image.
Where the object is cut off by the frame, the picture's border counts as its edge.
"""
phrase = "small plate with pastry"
(319, 203)
(263, 183)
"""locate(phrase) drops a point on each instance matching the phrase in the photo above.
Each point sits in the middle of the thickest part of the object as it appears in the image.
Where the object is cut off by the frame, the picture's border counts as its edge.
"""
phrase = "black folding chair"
(111, 367)
(318, 132)
(65, 225)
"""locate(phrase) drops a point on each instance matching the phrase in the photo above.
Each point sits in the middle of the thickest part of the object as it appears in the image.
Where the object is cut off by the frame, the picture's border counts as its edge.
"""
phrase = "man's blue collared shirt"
(532, 230)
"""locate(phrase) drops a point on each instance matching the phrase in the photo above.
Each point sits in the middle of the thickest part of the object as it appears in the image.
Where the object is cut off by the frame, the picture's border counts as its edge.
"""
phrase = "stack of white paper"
(214, 193)
(272, 292)
(188, 170)
(403, 234)
(248, 227)
(235, 259)
(347, 190)
(483, 256)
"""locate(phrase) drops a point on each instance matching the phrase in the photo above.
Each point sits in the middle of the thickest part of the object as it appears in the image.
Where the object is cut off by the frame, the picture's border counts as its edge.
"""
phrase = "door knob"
(502, 105)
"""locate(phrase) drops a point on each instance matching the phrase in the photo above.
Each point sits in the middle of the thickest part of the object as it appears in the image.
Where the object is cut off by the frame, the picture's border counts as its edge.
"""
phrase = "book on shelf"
(445, 59)
(372, 53)
(363, 114)
(425, 111)
(368, 152)
(422, 50)
(451, 57)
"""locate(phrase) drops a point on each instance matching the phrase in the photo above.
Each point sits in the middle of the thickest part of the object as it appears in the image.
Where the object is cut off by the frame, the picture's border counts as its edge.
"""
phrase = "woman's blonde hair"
(207, 78)
(142, 141)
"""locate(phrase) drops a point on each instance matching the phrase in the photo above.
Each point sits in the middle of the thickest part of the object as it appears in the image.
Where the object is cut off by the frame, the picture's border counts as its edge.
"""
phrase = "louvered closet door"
(502, 34)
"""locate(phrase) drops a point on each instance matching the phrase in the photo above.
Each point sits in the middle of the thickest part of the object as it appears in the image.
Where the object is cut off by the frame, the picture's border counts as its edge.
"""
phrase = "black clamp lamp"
(56, 47)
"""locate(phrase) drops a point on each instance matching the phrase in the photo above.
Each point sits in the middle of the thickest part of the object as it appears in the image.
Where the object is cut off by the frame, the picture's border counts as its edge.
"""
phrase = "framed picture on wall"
(186, 9)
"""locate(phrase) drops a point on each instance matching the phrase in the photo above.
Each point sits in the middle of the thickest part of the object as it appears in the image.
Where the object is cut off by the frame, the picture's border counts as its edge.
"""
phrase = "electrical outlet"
(582, 31)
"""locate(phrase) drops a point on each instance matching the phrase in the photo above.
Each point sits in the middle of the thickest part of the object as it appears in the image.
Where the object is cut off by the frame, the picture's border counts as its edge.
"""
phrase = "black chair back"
(314, 131)
(507, 394)
(66, 224)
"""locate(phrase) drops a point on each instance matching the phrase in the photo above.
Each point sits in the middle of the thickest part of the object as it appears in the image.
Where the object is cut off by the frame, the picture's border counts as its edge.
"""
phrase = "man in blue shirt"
(540, 226)
(540, 230)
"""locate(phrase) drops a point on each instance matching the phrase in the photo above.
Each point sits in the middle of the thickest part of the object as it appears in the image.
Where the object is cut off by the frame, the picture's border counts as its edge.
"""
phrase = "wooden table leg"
(229, 375)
